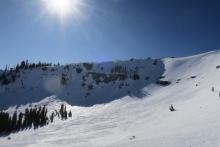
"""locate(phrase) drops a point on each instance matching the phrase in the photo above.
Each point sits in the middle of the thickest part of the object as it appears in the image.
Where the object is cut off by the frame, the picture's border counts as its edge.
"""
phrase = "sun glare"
(63, 8)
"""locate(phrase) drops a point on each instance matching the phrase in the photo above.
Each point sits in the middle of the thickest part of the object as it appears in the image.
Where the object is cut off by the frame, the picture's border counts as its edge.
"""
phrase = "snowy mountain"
(83, 84)
(123, 103)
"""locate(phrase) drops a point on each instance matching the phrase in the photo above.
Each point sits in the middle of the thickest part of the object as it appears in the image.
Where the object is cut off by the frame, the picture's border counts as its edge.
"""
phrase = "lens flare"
(64, 8)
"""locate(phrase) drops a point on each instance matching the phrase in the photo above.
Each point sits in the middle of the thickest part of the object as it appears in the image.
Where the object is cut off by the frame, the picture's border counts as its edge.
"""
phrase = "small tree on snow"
(70, 114)
(213, 89)
(172, 108)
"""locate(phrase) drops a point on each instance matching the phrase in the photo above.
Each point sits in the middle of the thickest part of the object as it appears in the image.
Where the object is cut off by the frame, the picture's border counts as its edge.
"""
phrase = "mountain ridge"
(143, 119)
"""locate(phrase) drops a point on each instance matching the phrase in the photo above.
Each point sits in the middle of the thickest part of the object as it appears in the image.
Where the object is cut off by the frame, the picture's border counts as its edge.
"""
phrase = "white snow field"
(131, 120)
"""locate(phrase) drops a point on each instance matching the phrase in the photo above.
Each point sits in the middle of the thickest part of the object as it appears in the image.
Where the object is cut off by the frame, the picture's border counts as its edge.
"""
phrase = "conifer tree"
(70, 114)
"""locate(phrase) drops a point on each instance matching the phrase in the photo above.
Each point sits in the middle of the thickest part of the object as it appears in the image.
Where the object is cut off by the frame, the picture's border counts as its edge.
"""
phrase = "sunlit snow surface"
(135, 122)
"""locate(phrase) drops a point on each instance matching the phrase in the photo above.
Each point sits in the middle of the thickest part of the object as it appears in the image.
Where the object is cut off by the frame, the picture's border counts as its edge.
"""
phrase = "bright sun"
(63, 8)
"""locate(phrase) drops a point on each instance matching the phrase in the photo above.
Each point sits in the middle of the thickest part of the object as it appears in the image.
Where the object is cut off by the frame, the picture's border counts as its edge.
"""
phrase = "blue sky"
(108, 30)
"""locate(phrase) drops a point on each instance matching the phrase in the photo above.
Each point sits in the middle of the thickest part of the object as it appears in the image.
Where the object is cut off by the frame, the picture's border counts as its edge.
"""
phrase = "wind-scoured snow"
(143, 120)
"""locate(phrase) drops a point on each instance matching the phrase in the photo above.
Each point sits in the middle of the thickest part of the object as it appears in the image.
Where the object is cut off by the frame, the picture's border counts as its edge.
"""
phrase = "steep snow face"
(134, 122)
(81, 85)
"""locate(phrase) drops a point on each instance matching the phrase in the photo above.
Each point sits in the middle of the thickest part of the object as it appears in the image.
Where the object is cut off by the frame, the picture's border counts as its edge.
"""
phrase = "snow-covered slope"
(97, 85)
(140, 119)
